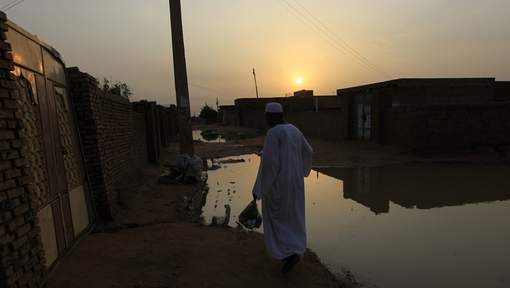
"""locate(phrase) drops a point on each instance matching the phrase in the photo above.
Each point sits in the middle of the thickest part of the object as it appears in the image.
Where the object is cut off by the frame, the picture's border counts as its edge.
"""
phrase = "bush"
(209, 114)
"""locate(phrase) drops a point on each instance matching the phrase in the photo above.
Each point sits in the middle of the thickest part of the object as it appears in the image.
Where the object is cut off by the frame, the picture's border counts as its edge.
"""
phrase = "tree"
(119, 88)
(209, 114)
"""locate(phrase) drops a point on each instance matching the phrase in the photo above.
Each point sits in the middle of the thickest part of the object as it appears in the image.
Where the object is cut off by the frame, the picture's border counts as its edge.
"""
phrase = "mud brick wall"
(228, 115)
(149, 110)
(321, 125)
(166, 125)
(174, 126)
(300, 111)
(22, 257)
(110, 132)
(448, 126)
(503, 91)
(169, 127)
(138, 155)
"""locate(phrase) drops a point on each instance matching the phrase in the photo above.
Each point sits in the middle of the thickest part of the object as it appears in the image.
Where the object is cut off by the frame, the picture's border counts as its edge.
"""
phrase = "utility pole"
(181, 80)
(256, 87)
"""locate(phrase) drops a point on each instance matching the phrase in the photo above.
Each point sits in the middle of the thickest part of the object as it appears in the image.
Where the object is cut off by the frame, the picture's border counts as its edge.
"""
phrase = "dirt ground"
(350, 153)
(155, 243)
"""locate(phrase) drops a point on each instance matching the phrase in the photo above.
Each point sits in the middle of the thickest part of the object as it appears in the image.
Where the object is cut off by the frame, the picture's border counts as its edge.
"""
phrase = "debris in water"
(231, 161)
(222, 221)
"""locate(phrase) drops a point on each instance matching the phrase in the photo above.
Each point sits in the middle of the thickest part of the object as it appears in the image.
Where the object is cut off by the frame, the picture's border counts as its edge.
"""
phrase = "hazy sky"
(129, 40)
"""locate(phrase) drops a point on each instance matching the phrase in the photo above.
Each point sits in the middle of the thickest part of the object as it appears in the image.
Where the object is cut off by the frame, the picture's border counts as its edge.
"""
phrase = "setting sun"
(299, 80)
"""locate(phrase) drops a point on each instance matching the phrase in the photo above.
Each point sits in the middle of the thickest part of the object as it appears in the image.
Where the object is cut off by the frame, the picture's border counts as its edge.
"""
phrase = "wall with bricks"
(112, 140)
(152, 135)
(320, 125)
(443, 126)
(300, 111)
(22, 257)
(228, 115)
(167, 124)
(138, 144)
(434, 91)
(503, 91)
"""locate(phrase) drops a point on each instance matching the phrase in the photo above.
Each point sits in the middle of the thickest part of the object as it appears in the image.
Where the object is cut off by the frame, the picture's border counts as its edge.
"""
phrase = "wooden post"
(256, 86)
(181, 80)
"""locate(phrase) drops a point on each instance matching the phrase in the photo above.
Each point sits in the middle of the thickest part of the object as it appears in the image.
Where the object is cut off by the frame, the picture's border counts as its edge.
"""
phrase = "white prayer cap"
(274, 107)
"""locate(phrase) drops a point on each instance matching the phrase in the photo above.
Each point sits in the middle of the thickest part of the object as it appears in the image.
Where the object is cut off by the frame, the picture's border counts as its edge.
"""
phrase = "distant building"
(303, 93)
(425, 113)
(228, 115)
(316, 116)
(414, 113)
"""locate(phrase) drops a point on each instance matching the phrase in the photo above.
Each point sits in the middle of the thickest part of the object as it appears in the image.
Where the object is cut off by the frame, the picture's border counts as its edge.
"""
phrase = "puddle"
(398, 226)
(208, 136)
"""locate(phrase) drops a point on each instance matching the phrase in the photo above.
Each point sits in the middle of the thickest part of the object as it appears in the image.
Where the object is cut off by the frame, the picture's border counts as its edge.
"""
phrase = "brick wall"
(22, 257)
(503, 91)
(167, 124)
(110, 133)
(321, 125)
(138, 156)
(443, 91)
(228, 115)
(443, 126)
(152, 135)
(290, 103)
(299, 111)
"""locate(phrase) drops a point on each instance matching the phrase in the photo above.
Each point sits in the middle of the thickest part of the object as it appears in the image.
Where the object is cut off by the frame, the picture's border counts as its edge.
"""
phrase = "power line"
(340, 39)
(12, 5)
(7, 4)
(341, 46)
(205, 88)
(332, 39)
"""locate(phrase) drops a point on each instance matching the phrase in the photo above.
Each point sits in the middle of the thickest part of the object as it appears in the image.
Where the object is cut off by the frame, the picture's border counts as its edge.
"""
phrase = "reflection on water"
(398, 226)
(208, 136)
(422, 187)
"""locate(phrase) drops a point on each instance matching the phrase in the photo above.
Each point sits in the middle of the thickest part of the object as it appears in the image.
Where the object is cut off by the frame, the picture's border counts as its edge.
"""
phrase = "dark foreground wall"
(22, 257)
(443, 126)
(112, 140)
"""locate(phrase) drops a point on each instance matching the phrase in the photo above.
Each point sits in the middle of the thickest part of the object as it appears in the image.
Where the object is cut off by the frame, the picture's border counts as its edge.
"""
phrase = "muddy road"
(157, 242)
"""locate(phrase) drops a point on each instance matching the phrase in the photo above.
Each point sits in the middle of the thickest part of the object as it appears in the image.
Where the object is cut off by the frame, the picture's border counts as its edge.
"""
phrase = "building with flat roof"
(428, 112)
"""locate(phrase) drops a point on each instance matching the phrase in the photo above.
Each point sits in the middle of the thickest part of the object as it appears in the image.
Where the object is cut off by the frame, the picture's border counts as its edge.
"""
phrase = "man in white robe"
(286, 160)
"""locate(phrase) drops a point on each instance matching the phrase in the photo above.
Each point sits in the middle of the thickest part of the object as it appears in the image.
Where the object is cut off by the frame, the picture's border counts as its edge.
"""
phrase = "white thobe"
(286, 160)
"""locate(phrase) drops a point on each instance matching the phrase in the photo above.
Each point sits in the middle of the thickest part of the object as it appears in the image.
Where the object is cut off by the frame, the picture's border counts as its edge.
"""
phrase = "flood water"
(396, 226)
(204, 136)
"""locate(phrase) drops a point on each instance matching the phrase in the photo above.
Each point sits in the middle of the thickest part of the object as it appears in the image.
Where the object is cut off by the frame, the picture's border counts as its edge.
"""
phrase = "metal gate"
(52, 146)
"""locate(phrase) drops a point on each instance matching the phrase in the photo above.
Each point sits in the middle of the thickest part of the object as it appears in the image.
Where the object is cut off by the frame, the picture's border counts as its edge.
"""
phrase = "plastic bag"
(250, 216)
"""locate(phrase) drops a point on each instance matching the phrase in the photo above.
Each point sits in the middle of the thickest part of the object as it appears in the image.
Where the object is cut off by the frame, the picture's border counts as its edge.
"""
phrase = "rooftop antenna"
(256, 87)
